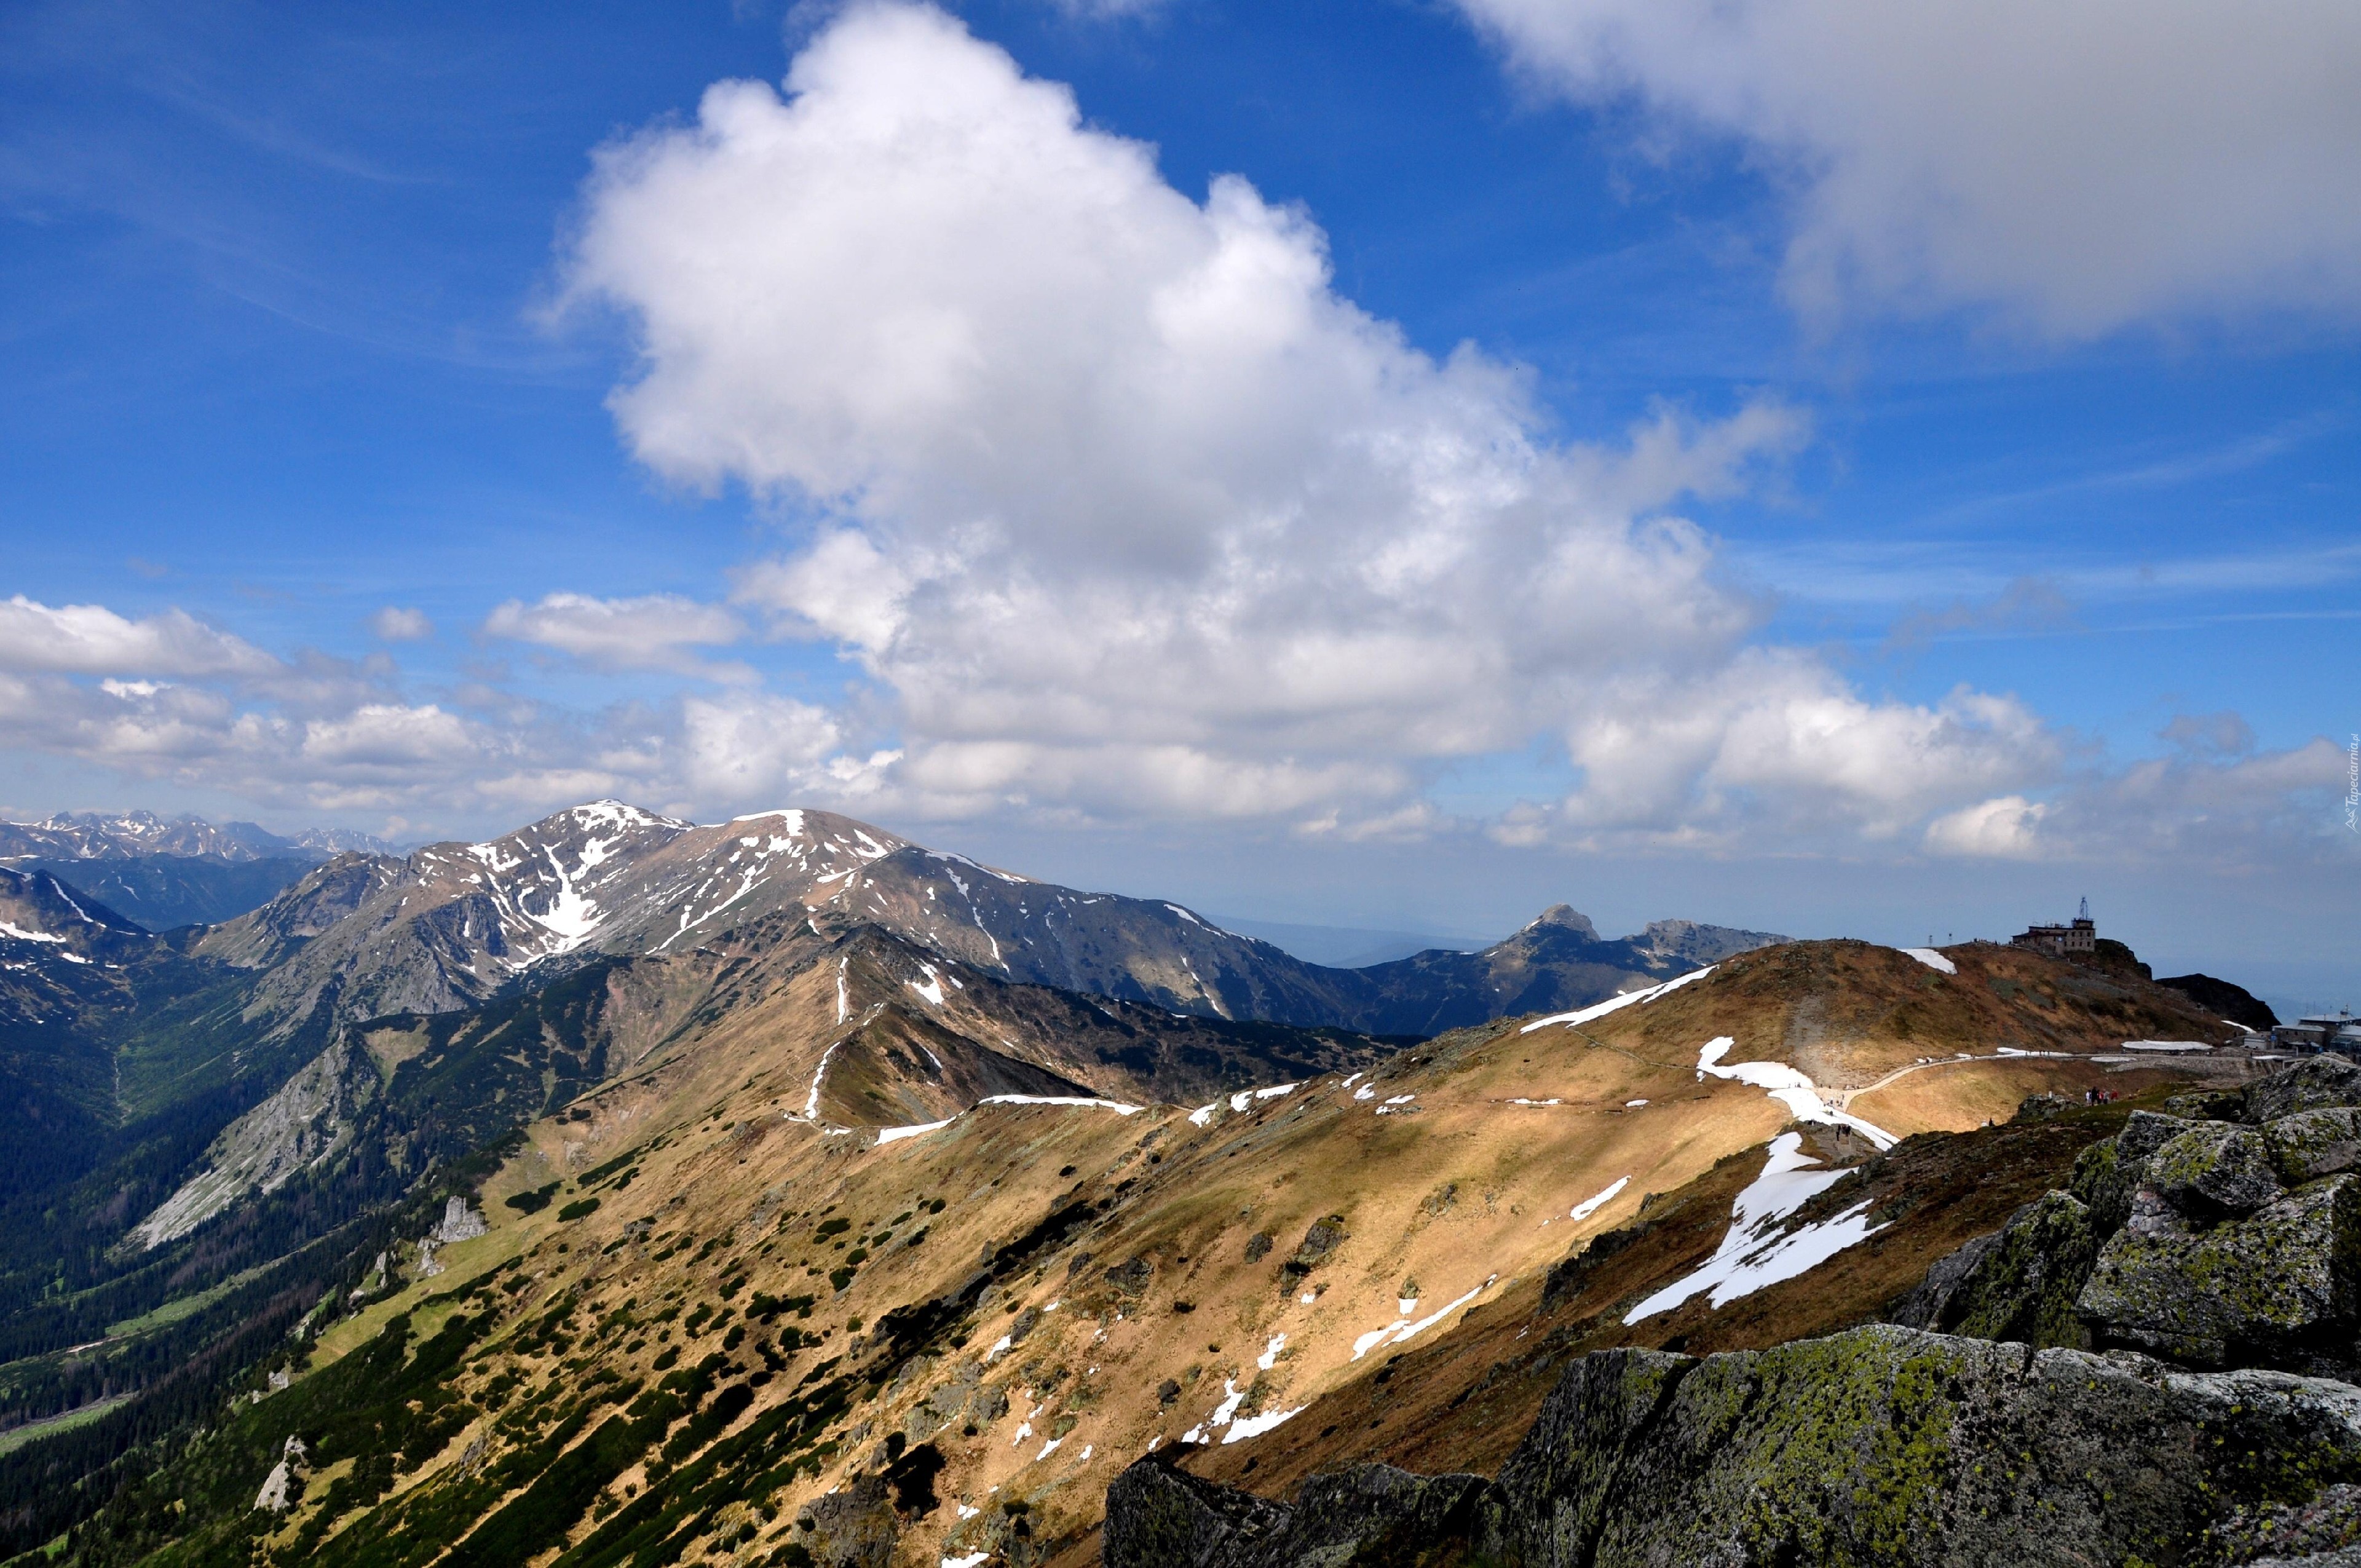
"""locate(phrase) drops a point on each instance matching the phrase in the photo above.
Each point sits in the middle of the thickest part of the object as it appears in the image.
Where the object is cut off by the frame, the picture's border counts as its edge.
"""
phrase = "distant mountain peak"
(453, 923)
(1566, 917)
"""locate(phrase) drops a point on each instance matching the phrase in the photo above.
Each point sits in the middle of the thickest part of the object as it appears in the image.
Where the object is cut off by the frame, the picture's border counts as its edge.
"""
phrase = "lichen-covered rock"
(2209, 1105)
(2107, 1175)
(1556, 1491)
(1325, 1236)
(1929, 1304)
(1160, 1516)
(2287, 1533)
(2277, 1285)
(2314, 1144)
(2214, 1170)
(851, 1527)
(1370, 1516)
(2314, 1084)
(1374, 1515)
(2145, 1132)
(1132, 1278)
(2021, 1283)
(1881, 1445)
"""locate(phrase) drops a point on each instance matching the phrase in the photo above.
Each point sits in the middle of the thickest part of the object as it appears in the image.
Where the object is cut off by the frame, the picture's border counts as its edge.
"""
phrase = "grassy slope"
(723, 1204)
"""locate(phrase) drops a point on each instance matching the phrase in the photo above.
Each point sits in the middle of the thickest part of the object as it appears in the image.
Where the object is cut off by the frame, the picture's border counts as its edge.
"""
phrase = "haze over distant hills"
(167, 872)
(130, 834)
(1348, 947)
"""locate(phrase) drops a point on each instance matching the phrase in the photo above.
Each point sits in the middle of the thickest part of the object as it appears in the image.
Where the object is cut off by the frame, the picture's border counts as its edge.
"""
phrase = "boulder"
(2314, 1144)
(1370, 1516)
(2276, 1287)
(2314, 1084)
(854, 1526)
(2107, 1175)
(2145, 1132)
(2214, 1170)
(1161, 1517)
(2020, 1283)
(2324, 1532)
(1884, 1445)
(1325, 1236)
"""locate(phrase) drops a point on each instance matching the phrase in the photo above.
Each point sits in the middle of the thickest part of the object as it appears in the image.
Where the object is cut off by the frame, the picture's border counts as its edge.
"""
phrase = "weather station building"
(2338, 1031)
(2079, 937)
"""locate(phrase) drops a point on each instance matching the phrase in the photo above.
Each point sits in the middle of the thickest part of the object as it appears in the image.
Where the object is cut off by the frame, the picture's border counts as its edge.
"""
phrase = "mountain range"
(165, 873)
(623, 1190)
(131, 835)
(452, 922)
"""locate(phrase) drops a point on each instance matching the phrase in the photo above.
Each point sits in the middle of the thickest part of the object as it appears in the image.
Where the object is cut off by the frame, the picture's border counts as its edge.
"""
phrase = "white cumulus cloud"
(90, 638)
(2079, 166)
(1130, 512)
(2000, 828)
(396, 624)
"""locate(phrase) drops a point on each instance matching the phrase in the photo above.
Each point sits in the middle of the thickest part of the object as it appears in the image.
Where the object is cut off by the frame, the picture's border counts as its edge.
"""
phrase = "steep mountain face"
(452, 922)
(828, 1247)
(42, 919)
(65, 989)
(2232, 1003)
(877, 1031)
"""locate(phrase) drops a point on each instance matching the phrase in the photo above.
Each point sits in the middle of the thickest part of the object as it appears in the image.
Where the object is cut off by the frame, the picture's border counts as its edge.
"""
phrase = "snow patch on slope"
(1751, 1256)
(1582, 1015)
(1789, 1086)
(1401, 1331)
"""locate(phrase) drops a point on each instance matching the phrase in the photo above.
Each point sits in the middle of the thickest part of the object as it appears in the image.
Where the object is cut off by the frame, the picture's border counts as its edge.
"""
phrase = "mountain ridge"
(451, 923)
(125, 834)
(794, 1203)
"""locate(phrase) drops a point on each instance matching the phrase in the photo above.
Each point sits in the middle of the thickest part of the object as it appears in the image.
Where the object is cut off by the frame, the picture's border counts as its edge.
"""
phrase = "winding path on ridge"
(1844, 1097)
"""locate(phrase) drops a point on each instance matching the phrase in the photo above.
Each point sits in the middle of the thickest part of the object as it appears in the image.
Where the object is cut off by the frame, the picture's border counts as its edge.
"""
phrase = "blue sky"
(2010, 563)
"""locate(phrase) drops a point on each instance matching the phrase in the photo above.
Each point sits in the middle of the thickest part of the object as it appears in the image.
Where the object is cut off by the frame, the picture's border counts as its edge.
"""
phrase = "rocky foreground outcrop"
(1875, 1446)
(2212, 1257)
(1884, 1445)
(2227, 1236)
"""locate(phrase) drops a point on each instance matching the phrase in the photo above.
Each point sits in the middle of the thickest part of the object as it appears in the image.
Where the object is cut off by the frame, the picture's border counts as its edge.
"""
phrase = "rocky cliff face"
(312, 1117)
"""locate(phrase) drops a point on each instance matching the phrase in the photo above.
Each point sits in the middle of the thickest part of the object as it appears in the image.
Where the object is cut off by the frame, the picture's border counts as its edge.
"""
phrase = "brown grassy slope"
(1455, 1190)
(1462, 1402)
(1847, 1012)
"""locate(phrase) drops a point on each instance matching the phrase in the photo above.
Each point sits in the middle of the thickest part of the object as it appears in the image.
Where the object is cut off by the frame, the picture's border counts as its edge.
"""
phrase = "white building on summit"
(2060, 941)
